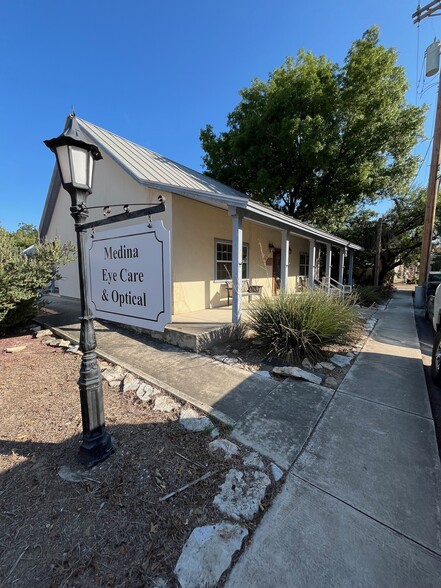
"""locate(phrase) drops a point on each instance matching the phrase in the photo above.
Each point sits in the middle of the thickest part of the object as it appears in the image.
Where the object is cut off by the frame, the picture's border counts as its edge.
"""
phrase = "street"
(425, 335)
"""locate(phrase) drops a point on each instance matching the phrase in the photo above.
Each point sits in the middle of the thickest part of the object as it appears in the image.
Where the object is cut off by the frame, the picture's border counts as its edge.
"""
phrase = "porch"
(198, 330)
(193, 331)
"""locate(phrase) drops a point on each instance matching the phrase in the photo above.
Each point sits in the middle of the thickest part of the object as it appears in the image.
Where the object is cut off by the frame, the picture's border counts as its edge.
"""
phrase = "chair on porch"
(301, 283)
(246, 290)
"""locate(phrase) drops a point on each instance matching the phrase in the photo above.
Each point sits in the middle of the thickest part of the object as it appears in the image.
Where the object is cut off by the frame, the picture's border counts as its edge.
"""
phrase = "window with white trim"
(224, 261)
(303, 264)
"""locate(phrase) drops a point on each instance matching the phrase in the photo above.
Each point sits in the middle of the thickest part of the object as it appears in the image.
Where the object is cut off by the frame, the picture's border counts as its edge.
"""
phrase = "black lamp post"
(76, 158)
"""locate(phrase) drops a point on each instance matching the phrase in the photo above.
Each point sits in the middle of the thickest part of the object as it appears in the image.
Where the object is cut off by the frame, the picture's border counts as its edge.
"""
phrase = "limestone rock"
(146, 392)
(15, 349)
(113, 376)
(341, 360)
(369, 325)
(241, 494)
(253, 460)
(72, 349)
(227, 447)
(295, 372)
(207, 553)
(130, 383)
(103, 365)
(43, 333)
(165, 404)
(331, 382)
(64, 343)
(325, 365)
(276, 472)
(192, 421)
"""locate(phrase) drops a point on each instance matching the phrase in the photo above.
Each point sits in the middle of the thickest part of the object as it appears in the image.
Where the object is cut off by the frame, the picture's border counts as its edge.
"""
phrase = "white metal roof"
(158, 172)
(154, 170)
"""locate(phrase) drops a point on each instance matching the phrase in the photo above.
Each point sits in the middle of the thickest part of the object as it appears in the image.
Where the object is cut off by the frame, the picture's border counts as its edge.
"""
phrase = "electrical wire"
(417, 60)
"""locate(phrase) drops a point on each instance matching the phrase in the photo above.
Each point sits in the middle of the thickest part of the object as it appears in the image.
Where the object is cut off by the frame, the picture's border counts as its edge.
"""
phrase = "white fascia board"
(49, 205)
(267, 215)
(208, 197)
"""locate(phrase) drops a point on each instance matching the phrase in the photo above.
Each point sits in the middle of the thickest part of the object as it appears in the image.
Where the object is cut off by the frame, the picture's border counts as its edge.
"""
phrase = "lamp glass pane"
(90, 170)
(64, 164)
(80, 165)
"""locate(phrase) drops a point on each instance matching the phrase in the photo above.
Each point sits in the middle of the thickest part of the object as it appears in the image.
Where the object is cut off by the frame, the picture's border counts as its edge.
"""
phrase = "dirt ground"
(110, 529)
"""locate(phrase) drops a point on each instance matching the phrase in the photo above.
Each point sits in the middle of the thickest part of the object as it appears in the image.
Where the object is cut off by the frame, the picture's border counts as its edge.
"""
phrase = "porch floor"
(199, 329)
(207, 318)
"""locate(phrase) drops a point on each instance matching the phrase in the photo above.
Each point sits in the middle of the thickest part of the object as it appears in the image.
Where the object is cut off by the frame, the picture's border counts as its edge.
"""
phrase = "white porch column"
(341, 265)
(237, 264)
(284, 261)
(328, 266)
(311, 263)
(351, 268)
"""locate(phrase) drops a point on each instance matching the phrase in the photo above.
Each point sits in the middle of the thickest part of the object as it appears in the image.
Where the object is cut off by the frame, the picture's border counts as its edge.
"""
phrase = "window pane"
(223, 271)
(224, 261)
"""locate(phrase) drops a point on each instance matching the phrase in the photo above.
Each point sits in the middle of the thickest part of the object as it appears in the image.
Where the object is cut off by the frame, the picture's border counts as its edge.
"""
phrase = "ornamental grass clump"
(293, 326)
(370, 295)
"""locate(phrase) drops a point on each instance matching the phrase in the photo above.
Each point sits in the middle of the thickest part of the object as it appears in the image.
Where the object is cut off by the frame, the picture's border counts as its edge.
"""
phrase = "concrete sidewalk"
(362, 498)
(361, 503)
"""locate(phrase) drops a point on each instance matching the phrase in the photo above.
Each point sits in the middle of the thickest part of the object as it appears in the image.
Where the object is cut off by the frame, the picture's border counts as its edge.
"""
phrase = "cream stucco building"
(222, 241)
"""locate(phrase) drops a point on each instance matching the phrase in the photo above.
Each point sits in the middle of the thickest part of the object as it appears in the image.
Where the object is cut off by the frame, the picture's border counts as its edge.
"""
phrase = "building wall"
(196, 227)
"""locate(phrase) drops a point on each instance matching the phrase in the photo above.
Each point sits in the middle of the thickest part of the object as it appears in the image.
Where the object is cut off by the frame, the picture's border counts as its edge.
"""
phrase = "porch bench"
(246, 290)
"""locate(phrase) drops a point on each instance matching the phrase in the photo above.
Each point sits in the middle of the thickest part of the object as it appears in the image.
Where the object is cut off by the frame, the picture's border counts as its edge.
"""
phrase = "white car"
(433, 312)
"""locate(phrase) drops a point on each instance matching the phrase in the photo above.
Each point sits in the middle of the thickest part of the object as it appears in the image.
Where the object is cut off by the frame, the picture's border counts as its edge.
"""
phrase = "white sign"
(129, 275)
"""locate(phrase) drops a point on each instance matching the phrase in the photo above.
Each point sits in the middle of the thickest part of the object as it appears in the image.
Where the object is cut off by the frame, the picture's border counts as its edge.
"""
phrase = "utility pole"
(378, 252)
(432, 192)
(431, 9)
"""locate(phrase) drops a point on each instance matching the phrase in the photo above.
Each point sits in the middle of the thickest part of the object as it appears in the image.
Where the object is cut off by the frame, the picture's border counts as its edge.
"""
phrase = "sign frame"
(135, 257)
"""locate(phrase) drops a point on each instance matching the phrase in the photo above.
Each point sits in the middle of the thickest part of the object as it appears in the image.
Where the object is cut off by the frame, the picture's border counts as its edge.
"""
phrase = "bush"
(370, 295)
(294, 326)
(23, 277)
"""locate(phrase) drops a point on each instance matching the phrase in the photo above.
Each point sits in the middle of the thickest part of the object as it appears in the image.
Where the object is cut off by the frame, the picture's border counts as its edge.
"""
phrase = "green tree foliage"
(317, 140)
(401, 235)
(25, 236)
(22, 277)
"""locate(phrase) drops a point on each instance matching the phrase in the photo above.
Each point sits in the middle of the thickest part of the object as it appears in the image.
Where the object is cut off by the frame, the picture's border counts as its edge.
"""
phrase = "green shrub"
(293, 326)
(23, 278)
(370, 295)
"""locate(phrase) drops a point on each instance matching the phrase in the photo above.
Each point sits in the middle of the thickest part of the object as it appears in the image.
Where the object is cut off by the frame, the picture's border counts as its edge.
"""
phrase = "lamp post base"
(94, 449)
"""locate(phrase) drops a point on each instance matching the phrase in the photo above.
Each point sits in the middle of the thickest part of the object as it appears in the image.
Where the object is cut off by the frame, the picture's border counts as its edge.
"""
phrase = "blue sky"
(156, 73)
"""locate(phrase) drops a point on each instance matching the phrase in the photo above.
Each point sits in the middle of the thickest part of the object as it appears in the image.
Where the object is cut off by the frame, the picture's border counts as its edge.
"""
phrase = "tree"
(23, 277)
(317, 140)
(25, 236)
(401, 235)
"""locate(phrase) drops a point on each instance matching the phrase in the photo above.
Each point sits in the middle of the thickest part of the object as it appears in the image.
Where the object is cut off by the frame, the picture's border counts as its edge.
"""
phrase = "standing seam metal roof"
(159, 172)
(151, 168)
